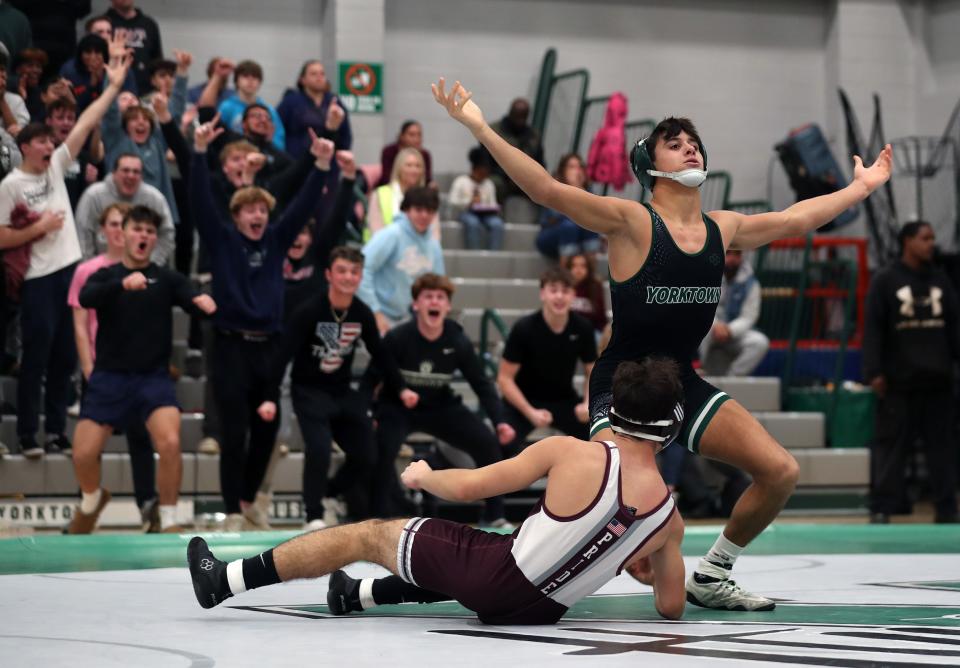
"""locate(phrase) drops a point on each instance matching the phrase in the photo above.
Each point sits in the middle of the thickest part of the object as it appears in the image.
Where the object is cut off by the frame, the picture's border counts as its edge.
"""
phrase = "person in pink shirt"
(85, 334)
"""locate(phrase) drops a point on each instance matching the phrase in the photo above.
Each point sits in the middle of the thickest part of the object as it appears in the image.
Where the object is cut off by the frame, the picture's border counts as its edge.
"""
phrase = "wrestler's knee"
(781, 471)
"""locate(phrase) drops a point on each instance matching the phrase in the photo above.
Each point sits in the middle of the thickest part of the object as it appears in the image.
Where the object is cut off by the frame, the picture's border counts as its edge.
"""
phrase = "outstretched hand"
(876, 174)
(205, 303)
(117, 70)
(414, 474)
(161, 107)
(184, 60)
(348, 164)
(206, 133)
(267, 411)
(459, 104)
(321, 149)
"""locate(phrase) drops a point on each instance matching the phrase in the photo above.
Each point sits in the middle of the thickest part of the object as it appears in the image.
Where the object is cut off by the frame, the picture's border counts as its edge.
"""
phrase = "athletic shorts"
(474, 567)
(117, 398)
(701, 400)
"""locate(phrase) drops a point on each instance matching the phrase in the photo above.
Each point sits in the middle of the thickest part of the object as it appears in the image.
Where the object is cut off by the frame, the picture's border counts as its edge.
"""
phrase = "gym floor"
(848, 595)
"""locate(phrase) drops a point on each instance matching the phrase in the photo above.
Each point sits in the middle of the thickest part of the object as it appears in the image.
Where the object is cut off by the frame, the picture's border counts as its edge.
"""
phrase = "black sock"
(394, 589)
(259, 571)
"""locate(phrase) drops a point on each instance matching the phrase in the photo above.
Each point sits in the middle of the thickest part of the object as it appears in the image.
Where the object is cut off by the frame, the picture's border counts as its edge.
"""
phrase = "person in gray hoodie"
(125, 184)
(397, 255)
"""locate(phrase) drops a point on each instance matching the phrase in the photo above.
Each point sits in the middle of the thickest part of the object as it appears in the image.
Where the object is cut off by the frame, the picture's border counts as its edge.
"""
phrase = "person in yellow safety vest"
(408, 171)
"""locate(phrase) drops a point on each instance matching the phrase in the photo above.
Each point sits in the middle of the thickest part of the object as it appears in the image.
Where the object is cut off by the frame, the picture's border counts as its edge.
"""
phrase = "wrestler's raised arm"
(607, 215)
(808, 215)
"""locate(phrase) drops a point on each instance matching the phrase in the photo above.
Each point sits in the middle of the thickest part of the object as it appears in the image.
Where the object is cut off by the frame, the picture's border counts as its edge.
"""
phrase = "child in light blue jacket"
(398, 254)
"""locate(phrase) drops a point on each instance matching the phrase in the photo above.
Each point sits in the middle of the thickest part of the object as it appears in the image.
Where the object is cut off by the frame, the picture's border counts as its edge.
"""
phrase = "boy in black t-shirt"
(428, 350)
(321, 337)
(540, 359)
(130, 380)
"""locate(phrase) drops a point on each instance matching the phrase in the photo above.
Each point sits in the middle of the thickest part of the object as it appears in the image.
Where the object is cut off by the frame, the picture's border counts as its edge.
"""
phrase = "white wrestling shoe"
(711, 587)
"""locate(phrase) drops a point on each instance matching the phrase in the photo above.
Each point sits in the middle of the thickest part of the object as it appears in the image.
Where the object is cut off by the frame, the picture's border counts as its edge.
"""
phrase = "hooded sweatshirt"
(393, 259)
(911, 334)
(607, 160)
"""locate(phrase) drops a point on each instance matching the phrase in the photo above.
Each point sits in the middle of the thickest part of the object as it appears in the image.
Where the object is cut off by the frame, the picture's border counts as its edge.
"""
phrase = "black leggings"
(241, 377)
(456, 425)
(342, 415)
(900, 417)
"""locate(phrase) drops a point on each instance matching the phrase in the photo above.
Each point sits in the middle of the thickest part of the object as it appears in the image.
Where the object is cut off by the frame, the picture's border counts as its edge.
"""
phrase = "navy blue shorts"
(117, 398)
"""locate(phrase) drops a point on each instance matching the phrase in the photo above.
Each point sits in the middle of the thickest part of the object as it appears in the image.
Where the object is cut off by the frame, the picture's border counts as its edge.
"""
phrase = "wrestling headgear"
(662, 432)
(642, 166)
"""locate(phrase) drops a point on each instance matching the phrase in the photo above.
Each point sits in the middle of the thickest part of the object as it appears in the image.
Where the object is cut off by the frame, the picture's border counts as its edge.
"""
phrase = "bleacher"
(506, 280)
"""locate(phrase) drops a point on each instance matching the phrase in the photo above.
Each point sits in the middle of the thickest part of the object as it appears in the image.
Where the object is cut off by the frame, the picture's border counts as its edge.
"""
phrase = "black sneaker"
(879, 518)
(58, 445)
(209, 574)
(343, 594)
(30, 448)
(193, 364)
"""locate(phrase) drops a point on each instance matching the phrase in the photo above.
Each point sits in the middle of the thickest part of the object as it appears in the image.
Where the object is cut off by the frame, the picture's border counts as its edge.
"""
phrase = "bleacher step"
(794, 430)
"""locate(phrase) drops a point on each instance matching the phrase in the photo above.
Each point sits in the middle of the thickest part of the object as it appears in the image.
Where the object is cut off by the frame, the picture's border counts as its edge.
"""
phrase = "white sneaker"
(314, 525)
(233, 523)
(73, 410)
(334, 510)
(258, 520)
(714, 589)
(264, 501)
(208, 446)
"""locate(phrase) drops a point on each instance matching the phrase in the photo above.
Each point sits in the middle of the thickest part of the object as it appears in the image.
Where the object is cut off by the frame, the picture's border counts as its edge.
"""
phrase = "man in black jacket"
(910, 346)
(428, 350)
(321, 337)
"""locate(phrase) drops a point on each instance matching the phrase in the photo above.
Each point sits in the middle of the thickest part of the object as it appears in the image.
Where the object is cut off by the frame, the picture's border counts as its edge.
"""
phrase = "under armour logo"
(206, 564)
(907, 301)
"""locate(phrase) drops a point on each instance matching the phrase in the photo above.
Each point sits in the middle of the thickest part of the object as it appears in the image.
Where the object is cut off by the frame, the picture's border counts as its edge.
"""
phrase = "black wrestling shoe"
(343, 594)
(208, 573)
(58, 444)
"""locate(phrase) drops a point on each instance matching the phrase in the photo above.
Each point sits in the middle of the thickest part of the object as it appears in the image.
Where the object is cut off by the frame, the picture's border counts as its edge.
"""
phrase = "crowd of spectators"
(127, 191)
(117, 171)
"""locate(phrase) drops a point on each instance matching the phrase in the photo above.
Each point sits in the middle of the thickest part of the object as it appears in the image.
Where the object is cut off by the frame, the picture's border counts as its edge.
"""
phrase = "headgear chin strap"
(662, 432)
(691, 178)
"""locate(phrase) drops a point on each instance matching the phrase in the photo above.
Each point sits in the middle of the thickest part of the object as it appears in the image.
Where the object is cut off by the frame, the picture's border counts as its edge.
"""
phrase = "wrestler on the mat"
(666, 262)
(605, 507)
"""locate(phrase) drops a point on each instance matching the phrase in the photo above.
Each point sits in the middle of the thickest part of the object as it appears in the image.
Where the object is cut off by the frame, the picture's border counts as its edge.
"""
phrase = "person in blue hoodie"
(397, 255)
(248, 77)
(246, 258)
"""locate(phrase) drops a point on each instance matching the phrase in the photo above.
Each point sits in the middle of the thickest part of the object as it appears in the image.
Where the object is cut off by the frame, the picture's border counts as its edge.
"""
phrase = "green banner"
(361, 87)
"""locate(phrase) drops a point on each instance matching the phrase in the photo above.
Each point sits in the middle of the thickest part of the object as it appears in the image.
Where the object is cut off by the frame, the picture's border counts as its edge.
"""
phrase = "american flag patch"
(616, 527)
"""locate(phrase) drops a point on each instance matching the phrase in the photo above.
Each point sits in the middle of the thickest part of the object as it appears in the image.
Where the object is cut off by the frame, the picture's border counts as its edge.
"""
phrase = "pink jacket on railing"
(607, 160)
